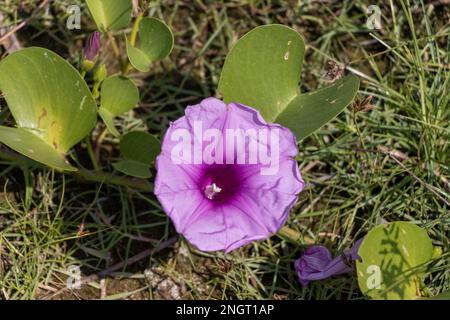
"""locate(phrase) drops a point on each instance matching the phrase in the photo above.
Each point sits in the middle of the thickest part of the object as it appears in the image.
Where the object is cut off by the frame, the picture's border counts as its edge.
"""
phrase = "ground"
(385, 158)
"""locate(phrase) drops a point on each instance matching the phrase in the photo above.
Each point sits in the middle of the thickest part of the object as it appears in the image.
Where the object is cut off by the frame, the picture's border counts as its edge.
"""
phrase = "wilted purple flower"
(316, 263)
(221, 199)
(92, 47)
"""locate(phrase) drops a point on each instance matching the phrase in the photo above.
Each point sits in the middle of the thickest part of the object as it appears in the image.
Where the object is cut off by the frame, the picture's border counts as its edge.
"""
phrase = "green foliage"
(110, 15)
(263, 71)
(29, 144)
(138, 149)
(349, 189)
(118, 95)
(133, 168)
(155, 43)
(140, 146)
(399, 251)
(50, 102)
(309, 111)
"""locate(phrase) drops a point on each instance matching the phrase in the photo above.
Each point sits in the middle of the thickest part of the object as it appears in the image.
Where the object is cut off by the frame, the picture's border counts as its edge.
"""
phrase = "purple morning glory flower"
(316, 263)
(92, 47)
(226, 177)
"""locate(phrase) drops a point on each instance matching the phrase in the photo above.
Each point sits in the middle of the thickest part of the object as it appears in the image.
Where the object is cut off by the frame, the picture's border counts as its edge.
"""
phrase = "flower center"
(219, 183)
(212, 190)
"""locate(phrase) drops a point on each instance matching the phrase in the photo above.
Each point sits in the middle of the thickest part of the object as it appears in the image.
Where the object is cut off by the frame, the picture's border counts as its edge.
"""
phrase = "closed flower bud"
(316, 263)
(92, 46)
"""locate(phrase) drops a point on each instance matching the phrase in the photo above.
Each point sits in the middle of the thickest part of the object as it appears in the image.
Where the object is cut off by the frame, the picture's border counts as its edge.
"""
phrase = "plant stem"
(109, 178)
(99, 141)
(95, 91)
(91, 153)
(294, 236)
(87, 175)
(115, 48)
(135, 30)
(133, 37)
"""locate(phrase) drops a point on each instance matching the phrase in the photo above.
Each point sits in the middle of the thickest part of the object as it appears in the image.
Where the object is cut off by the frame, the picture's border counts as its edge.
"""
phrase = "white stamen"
(212, 190)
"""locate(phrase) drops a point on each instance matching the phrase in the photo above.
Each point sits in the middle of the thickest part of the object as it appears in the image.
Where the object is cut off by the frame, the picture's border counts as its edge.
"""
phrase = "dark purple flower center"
(220, 182)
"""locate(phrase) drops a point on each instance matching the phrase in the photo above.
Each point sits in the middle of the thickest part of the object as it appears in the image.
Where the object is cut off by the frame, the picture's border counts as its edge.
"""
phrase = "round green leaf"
(309, 111)
(140, 146)
(30, 145)
(48, 97)
(393, 258)
(110, 14)
(263, 69)
(155, 43)
(138, 59)
(119, 94)
(133, 168)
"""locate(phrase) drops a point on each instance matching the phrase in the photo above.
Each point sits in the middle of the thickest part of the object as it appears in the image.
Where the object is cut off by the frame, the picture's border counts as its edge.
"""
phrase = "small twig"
(24, 22)
(102, 288)
(142, 255)
(136, 258)
(310, 166)
(99, 140)
(293, 235)
(114, 45)
(12, 44)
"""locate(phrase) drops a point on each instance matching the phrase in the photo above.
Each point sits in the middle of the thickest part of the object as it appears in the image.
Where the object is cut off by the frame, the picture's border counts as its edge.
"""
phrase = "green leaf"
(138, 59)
(108, 119)
(139, 149)
(47, 97)
(155, 43)
(133, 168)
(119, 95)
(155, 38)
(263, 69)
(308, 112)
(110, 14)
(140, 146)
(393, 256)
(30, 145)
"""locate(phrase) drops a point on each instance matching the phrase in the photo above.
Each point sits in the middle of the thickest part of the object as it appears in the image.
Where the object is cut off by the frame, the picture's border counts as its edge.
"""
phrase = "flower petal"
(248, 205)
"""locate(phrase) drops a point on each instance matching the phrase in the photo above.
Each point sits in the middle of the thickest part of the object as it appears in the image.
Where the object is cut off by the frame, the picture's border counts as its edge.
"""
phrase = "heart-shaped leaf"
(155, 43)
(140, 146)
(392, 261)
(48, 98)
(119, 95)
(133, 168)
(309, 111)
(263, 69)
(110, 14)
